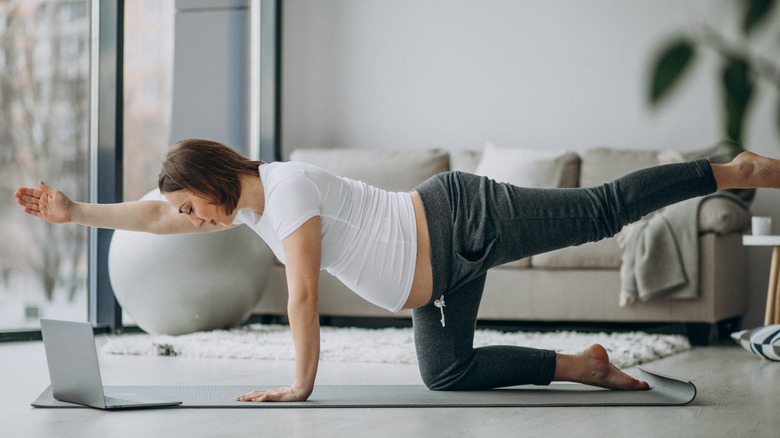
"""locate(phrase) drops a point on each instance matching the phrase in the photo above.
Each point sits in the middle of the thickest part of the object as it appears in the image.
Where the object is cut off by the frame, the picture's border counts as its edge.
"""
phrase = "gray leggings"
(475, 224)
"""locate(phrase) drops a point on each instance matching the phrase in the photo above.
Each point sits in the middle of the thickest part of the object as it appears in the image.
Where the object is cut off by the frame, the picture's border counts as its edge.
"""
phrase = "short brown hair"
(208, 169)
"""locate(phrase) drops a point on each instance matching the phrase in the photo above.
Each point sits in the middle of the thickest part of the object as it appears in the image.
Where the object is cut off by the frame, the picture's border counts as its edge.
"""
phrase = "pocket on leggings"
(470, 263)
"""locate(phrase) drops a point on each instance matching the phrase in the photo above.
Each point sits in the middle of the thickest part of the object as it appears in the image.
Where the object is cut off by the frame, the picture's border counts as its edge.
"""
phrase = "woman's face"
(199, 210)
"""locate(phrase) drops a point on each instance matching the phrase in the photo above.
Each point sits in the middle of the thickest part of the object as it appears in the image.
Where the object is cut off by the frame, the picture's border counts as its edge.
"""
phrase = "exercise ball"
(182, 283)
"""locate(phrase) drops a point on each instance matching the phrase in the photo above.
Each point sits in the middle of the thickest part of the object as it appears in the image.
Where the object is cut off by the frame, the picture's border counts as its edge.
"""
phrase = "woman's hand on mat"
(45, 202)
(286, 394)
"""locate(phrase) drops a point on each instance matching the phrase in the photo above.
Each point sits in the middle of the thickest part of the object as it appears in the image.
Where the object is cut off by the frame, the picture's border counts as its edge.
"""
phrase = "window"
(148, 73)
(45, 127)
(147, 92)
(43, 135)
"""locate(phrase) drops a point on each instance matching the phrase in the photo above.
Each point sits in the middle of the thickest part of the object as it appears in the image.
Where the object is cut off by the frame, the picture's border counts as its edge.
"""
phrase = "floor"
(738, 395)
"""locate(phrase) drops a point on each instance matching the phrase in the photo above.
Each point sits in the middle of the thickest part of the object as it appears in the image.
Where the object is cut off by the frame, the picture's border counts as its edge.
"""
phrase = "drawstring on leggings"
(440, 304)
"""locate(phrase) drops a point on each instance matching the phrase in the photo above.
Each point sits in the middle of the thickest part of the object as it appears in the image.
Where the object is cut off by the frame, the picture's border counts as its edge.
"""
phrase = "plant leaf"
(669, 68)
(757, 11)
(738, 86)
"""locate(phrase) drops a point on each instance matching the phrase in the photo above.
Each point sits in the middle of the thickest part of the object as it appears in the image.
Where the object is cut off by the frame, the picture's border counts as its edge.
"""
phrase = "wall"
(564, 74)
(211, 73)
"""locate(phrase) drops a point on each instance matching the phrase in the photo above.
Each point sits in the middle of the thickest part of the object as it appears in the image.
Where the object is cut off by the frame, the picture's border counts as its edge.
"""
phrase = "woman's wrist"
(75, 213)
(303, 388)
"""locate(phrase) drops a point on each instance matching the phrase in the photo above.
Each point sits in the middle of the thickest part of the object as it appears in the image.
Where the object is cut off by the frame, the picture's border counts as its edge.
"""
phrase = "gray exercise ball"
(176, 284)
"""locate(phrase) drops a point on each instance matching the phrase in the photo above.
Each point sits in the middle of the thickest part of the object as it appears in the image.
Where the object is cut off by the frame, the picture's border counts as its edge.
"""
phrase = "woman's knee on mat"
(445, 380)
(441, 375)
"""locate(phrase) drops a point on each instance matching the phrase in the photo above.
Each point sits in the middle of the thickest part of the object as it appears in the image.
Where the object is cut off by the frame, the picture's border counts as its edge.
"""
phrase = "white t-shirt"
(369, 235)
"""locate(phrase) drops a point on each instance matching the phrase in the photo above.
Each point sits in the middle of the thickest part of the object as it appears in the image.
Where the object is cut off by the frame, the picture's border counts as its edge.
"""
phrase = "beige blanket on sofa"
(661, 253)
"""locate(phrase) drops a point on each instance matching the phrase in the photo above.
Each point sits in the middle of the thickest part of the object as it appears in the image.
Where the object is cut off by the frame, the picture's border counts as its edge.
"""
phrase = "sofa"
(573, 285)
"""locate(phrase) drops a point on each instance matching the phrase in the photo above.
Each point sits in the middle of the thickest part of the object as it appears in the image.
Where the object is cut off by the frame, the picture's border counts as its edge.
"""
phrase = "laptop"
(74, 371)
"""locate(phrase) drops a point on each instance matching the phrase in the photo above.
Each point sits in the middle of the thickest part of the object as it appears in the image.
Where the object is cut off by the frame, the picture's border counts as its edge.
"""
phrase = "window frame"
(106, 135)
(106, 150)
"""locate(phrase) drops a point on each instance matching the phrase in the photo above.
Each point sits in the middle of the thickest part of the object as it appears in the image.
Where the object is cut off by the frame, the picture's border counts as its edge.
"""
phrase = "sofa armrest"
(722, 215)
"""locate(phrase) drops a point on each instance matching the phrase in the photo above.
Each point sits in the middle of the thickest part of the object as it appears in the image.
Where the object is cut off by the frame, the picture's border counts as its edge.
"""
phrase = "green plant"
(739, 73)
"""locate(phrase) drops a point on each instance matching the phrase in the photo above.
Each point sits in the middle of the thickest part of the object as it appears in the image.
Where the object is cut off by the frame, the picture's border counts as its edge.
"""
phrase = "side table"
(772, 315)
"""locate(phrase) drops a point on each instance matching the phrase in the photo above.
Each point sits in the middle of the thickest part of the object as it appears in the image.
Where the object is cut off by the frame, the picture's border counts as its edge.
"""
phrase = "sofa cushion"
(604, 254)
(529, 167)
(394, 170)
(522, 167)
(465, 161)
(602, 165)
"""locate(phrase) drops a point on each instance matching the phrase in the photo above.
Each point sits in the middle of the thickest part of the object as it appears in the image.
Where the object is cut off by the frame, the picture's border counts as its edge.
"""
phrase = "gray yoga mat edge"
(665, 391)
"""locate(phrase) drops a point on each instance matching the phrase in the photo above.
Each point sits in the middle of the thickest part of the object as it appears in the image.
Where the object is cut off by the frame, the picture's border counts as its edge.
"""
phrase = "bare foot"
(748, 171)
(592, 367)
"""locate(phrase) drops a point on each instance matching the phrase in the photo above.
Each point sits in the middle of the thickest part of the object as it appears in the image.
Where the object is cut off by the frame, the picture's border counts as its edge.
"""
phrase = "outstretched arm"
(302, 256)
(157, 217)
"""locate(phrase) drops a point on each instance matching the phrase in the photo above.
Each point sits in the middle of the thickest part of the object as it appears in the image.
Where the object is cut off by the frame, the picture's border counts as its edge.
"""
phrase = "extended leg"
(748, 171)
(495, 223)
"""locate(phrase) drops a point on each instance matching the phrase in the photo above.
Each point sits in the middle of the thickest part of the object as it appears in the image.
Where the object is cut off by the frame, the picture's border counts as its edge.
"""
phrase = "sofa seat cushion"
(394, 170)
(604, 254)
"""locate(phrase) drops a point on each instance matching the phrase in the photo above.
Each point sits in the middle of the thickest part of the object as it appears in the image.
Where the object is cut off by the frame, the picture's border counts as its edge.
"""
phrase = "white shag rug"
(389, 345)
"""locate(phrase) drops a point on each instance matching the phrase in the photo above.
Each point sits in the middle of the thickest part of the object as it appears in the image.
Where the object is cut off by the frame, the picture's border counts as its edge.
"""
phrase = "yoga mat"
(665, 391)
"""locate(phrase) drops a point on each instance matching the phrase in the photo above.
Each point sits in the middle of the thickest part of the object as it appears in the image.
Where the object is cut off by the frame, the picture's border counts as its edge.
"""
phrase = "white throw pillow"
(524, 167)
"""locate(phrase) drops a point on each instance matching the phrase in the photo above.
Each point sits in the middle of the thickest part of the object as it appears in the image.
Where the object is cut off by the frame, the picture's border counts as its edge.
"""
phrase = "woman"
(427, 250)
